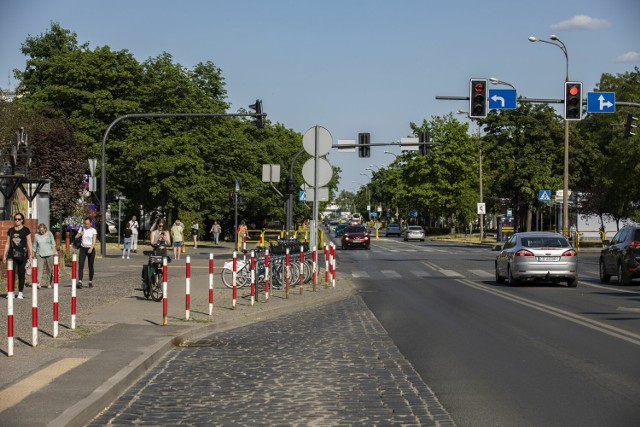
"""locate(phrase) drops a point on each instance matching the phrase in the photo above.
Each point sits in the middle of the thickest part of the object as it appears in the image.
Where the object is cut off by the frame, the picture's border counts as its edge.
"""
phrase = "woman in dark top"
(19, 249)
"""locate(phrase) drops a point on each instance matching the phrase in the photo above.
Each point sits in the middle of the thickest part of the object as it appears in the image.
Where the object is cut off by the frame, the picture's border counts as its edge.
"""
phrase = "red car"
(355, 235)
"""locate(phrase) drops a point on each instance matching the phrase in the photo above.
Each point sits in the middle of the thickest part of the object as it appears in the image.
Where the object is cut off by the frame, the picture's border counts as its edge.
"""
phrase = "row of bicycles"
(278, 272)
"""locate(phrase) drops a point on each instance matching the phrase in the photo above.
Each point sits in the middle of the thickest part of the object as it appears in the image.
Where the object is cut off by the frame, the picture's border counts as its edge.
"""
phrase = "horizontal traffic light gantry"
(573, 101)
(478, 98)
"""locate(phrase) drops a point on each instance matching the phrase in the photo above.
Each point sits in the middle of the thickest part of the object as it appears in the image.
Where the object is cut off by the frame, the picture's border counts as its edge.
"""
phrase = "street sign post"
(502, 99)
(601, 102)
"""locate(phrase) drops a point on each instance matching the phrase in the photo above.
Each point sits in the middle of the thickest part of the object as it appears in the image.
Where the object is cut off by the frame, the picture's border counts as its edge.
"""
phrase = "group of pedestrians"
(21, 248)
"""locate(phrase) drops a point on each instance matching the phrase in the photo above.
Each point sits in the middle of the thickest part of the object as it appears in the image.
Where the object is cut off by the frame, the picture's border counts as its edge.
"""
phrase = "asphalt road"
(534, 355)
(478, 353)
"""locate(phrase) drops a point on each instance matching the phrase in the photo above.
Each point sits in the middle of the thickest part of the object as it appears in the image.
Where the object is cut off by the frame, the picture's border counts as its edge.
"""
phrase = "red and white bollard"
(287, 266)
(10, 307)
(56, 269)
(266, 275)
(333, 266)
(326, 265)
(165, 300)
(210, 284)
(234, 278)
(253, 278)
(314, 254)
(34, 302)
(301, 267)
(74, 272)
(187, 293)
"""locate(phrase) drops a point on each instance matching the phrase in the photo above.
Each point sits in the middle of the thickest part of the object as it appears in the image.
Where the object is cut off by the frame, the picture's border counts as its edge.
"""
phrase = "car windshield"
(415, 228)
(544, 242)
(355, 229)
(393, 226)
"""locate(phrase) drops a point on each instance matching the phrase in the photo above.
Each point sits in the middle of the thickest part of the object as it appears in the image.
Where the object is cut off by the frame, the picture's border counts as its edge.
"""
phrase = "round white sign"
(324, 142)
(325, 172)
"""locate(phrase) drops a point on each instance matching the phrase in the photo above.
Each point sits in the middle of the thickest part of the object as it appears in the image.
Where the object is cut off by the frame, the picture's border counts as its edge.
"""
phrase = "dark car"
(621, 256)
(355, 235)
(340, 228)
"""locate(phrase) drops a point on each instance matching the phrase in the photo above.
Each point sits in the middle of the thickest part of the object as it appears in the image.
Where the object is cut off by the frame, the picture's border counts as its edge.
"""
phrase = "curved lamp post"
(565, 187)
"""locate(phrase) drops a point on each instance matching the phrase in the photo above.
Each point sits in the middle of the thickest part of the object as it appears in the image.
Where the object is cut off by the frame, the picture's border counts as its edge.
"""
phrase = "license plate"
(356, 240)
(548, 258)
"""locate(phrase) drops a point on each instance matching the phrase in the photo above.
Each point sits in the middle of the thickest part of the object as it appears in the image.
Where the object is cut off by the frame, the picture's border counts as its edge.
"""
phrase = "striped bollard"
(287, 261)
(187, 293)
(301, 267)
(266, 275)
(165, 301)
(210, 284)
(10, 307)
(326, 265)
(314, 273)
(34, 302)
(74, 272)
(234, 278)
(56, 268)
(333, 266)
(253, 278)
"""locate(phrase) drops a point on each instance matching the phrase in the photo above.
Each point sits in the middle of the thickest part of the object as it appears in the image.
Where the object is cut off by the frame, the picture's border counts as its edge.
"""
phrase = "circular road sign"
(325, 172)
(324, 141)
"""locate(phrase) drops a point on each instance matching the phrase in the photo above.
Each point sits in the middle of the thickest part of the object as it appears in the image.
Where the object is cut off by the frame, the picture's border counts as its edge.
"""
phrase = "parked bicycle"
(152, 273)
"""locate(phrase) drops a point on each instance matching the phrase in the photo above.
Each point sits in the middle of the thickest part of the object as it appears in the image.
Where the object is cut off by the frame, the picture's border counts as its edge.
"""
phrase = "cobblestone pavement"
(332, 365)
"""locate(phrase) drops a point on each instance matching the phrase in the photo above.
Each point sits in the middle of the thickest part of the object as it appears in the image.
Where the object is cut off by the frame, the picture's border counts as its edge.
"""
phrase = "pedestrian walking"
(87, 250)
(242, 230)
(133, 224)
(177, 236)
(127, 233)
(45, 248)
(194, 232)
(216, 230)
(20, 249)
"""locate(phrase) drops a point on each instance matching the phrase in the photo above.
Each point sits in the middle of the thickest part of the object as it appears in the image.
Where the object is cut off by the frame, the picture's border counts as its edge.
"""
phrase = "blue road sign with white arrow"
(601, 102)
(502, 99)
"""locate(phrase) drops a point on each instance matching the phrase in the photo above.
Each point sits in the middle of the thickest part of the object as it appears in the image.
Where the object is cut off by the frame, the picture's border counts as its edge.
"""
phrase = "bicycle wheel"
(156, 286)
(243, 276)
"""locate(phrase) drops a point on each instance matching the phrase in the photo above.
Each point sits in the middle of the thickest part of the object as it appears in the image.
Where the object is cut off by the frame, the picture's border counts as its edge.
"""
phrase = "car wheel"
(422, 240)
(499, 279)
(572, 283)
(604, 277)
(623, 275)
(512, 280)
(406, 240)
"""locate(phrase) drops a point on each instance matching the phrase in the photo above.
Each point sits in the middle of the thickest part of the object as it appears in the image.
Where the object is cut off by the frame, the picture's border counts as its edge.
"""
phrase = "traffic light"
(364, 144)
(478, 95)
(573, 101)
(291, 185)
(628, 125)
(424, 149)
(257, 107)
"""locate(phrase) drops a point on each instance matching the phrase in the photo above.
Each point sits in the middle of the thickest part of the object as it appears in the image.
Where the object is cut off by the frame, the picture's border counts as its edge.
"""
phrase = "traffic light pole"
(103, 173)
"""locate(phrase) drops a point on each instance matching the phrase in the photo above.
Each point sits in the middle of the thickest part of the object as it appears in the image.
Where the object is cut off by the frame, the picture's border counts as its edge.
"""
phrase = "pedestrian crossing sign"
(544, 195)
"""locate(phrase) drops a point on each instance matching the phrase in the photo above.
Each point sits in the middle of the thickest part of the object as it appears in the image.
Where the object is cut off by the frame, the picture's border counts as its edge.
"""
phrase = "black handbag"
(77, 242)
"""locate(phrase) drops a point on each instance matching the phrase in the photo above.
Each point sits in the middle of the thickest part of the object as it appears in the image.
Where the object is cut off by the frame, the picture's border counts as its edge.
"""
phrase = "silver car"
(414, 232)
(537, 255)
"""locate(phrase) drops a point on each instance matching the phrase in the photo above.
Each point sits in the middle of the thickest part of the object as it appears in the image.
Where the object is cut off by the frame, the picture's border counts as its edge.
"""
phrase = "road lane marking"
(482, 273)
(391, 274)
(360, 274)
(420, 273)
(563, 314)
(16, 393)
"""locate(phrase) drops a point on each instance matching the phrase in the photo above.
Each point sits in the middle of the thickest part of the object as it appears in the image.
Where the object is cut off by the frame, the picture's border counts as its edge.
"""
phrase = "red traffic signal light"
(573, 101)
(478, 98)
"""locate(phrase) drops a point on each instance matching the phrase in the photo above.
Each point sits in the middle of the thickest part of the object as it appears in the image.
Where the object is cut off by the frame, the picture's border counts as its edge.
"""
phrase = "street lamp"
(565, 187)
(496, 81)
(389, 152)
(479, 173)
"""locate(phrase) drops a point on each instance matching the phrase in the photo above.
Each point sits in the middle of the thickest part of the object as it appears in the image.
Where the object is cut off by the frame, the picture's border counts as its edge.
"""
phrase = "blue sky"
(350, 66)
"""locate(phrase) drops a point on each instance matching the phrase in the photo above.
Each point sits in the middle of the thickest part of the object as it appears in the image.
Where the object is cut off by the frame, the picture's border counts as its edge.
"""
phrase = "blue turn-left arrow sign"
(502, 99)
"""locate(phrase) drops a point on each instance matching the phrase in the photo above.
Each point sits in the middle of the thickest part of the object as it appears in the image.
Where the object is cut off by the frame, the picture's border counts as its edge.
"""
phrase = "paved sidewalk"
(68, 380)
